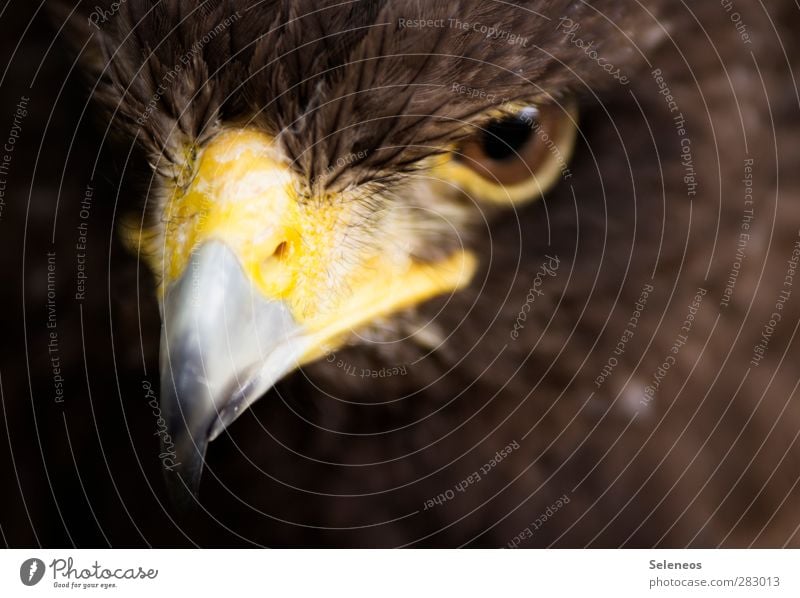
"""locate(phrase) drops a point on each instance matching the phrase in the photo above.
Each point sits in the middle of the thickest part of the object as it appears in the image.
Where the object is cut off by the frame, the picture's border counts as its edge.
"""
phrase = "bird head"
(259, 274)
(318, 169)
(262, 270)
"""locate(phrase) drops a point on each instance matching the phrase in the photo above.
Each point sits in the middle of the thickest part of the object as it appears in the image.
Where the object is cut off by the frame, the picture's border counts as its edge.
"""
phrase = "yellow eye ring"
(516, 157)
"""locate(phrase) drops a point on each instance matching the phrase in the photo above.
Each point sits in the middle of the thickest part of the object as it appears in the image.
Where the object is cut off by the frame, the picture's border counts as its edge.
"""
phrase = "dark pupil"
(503, 138)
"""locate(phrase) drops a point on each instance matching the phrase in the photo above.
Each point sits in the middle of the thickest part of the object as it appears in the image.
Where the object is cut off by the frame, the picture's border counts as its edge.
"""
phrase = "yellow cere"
(293, 249)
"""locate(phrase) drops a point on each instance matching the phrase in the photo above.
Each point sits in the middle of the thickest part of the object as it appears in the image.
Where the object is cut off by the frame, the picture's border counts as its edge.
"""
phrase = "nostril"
(281, 251)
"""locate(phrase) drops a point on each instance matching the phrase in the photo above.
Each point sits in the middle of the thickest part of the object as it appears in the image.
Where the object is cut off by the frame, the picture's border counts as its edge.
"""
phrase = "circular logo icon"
(31, 572)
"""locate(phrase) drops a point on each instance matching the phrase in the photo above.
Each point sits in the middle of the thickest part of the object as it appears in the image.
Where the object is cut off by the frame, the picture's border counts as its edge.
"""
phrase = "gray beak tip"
(183, 486)
(183, 471)
(222, 347)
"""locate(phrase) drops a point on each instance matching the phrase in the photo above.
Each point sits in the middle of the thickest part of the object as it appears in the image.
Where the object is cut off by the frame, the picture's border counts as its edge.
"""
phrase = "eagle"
(442, 273)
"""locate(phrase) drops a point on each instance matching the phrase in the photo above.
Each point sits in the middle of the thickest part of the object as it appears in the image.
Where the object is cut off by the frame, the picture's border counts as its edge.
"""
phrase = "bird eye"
(506, 150)
(517, 156)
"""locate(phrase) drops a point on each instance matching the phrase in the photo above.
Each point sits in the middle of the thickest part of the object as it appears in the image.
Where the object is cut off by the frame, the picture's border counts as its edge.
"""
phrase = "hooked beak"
(223, 345)
(256, 281)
